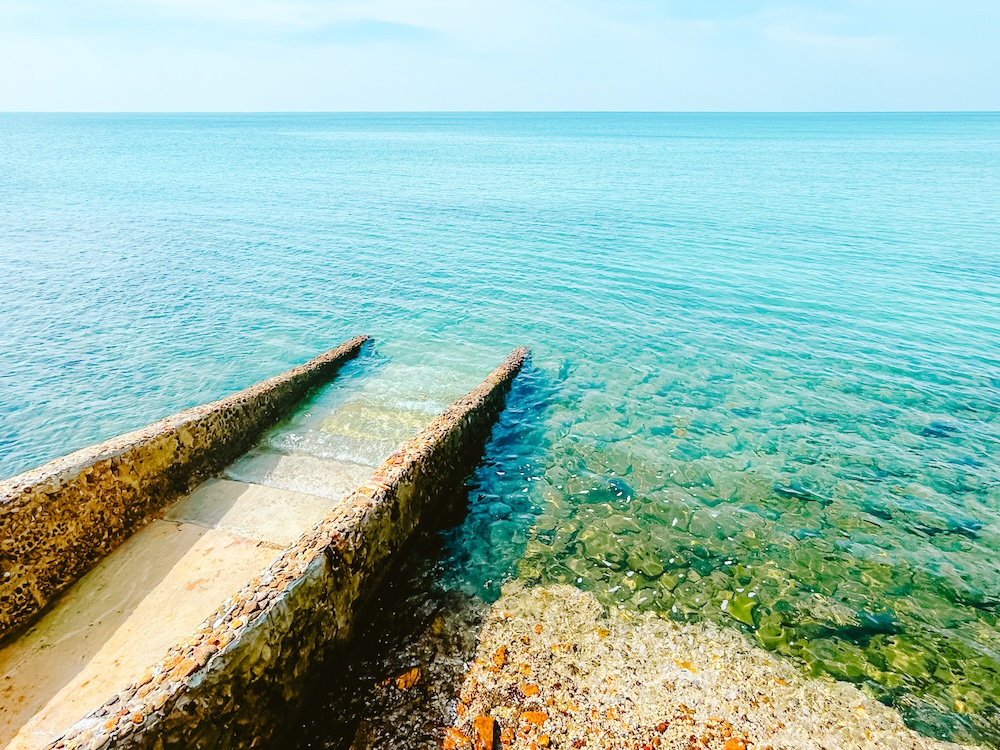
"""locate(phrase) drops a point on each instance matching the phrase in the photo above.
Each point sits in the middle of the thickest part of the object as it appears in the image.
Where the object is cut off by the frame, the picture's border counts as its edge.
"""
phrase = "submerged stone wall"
(56, 521)
(236, 681)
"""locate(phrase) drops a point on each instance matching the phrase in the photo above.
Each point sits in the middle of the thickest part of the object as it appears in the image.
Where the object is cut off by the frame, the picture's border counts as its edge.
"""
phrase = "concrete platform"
(147, 596)
(158, 587)
(117, 620)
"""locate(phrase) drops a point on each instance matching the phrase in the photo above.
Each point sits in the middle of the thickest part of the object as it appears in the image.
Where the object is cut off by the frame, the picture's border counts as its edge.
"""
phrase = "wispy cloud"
(367, 31)
(499, 54)
(829, 42)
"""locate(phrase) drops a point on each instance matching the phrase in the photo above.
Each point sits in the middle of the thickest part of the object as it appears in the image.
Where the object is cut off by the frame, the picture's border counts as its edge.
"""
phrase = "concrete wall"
(235, 683)
(56, 521)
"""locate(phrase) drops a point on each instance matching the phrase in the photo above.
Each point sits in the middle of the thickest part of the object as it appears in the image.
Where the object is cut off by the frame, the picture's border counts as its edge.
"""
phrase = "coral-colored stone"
(536, 718)
(500, 657)
(483, 731)
(408, 679)
(455, 739)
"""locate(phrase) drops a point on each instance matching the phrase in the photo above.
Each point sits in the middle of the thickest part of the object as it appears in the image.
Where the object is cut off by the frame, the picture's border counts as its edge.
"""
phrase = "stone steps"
(300, 473)
(118, 619)
(323, 449)
(159, 586)
(269, 515)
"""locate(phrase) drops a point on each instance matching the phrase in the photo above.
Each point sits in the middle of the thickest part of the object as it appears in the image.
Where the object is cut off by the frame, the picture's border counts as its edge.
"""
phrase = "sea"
(765, 382)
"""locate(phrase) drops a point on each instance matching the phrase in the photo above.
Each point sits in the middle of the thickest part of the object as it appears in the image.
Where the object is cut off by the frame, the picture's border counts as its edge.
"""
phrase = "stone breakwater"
(56, 521)
(236, 681)
(554, 668)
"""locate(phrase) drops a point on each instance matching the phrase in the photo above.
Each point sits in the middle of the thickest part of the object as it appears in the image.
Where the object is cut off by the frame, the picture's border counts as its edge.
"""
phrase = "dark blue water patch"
(940, 429)
(503, 499)
(968, 461)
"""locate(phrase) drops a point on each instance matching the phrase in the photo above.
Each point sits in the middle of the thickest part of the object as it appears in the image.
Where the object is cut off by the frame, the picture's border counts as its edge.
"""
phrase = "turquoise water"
(766, 382)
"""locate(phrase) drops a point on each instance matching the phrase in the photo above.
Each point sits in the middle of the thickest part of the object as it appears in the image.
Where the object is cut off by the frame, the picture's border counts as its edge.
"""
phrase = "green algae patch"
(741, 608)
(833, 604)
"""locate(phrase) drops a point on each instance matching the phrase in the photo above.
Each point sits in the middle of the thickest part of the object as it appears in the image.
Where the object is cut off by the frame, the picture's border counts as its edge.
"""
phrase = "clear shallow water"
(765, 389)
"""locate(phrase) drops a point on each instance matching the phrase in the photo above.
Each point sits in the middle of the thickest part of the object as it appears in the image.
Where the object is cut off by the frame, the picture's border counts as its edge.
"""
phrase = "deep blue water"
(766, 346)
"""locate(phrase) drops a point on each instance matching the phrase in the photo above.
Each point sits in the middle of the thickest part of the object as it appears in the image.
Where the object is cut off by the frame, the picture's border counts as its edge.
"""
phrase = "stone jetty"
(170, 587)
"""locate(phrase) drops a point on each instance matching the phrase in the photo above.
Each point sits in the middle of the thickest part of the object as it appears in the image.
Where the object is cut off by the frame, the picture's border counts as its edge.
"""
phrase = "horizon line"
(503, 112)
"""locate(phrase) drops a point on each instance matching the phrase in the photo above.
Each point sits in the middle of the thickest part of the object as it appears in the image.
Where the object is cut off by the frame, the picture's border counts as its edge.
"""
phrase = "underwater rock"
(798, 492)
(601, 546)
(499, 509)
(837, 658)
(741, 608)
(620, 488)
(906, 657)
(645, 561)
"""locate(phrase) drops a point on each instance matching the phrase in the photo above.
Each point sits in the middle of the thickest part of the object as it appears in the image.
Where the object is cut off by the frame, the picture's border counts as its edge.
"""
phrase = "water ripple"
(766, 347)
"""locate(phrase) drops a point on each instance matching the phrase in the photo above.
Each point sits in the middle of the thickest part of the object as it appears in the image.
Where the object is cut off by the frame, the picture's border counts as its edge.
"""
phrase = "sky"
(471, 55)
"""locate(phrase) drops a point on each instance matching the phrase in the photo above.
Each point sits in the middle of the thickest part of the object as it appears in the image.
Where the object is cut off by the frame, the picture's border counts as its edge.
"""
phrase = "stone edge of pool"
(232, 683)
(60, 519)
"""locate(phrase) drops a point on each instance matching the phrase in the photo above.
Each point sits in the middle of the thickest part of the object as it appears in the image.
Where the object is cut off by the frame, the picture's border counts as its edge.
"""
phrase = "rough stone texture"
(56, 521)
(554, 668)
(234, 683)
